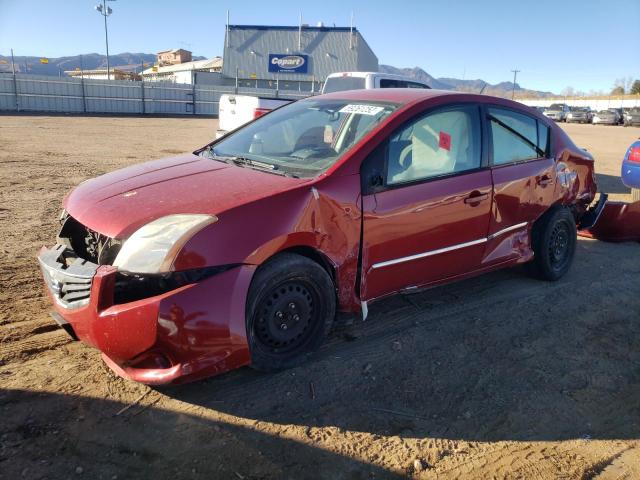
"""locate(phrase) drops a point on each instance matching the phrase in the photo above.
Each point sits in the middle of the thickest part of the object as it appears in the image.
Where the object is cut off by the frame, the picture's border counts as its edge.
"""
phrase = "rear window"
(392, 83)
(339, 84)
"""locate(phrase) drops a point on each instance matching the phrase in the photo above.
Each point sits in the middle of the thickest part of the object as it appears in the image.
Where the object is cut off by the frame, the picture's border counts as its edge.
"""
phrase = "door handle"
(544, 180)
(476, 197)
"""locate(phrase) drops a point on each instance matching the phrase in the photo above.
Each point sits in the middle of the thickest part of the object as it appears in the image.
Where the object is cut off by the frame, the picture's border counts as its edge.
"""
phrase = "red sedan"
(243, 252)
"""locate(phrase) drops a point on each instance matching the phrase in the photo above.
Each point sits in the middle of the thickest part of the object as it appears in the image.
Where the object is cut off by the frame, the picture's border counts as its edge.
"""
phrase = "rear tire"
(290, 310)
(553, 239)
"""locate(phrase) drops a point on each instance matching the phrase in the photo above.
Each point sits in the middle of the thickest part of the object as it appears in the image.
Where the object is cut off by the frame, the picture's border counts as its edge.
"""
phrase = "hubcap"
(286, 316)
(559, 245)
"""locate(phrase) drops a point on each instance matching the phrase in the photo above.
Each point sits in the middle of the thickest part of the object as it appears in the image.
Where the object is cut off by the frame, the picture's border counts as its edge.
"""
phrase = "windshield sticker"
(361, 109)
(445, 141)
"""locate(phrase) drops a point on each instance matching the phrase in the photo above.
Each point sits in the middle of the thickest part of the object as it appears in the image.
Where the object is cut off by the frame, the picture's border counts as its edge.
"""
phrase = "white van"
(337, 82)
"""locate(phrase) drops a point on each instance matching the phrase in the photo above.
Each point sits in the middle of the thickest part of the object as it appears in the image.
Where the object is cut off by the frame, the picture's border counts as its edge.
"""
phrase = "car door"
(426, 202)
(524, 175)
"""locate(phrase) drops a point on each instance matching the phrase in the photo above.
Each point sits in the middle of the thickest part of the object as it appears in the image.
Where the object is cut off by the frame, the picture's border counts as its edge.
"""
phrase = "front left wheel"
(290, 310)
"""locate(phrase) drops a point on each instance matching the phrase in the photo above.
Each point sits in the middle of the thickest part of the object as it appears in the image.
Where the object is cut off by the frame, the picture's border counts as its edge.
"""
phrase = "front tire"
(290, 310)
(553, 239)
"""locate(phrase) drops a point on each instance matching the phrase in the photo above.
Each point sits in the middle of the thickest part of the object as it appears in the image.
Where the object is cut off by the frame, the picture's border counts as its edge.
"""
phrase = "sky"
(584, 44)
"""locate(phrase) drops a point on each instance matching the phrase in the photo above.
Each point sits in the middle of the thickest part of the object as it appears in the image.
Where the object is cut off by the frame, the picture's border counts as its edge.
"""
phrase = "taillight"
(634, 155)
(258, 112)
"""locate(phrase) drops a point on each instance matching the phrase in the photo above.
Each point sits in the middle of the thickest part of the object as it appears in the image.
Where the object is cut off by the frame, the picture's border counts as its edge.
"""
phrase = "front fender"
(324, 216)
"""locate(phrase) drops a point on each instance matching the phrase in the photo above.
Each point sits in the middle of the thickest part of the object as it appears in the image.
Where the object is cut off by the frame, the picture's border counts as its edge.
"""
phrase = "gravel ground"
(500, 376)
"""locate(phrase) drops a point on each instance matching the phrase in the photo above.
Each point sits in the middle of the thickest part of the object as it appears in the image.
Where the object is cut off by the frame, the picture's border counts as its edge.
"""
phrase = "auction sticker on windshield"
(362, 109)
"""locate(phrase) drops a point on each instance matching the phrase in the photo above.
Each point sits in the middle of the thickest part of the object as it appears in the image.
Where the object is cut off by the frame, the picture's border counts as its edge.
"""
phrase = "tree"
(635, 88)
(617, 86)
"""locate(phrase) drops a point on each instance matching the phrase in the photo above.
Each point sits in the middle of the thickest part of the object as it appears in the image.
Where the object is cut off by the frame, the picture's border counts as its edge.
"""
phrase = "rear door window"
(516, 137)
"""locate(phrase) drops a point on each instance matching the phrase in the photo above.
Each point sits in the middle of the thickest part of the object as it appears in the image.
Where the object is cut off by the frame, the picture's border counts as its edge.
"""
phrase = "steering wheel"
(406, 151)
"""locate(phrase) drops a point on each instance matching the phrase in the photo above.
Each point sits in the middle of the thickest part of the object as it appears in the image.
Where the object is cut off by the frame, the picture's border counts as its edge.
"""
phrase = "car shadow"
(74, 435)
(497, 357)
(611, 184)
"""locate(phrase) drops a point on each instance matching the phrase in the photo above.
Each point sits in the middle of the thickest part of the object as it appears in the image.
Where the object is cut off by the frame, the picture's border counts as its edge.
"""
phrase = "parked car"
(631, 170)
(242, 252)
(632, 117)
(236, 110)
(579, 115)
(619, 115)
(605, 117)
(340, 81)
(557, 112)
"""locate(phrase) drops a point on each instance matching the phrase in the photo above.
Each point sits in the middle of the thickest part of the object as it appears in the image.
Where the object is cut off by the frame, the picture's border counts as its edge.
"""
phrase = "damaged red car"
(245, 251)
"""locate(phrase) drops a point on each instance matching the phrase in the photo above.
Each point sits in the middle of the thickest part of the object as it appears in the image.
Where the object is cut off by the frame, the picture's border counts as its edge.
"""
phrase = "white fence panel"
(50, 103)
(78, 95)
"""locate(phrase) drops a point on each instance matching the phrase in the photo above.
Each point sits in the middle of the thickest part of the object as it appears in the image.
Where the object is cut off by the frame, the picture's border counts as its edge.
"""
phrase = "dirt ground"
(501, 376)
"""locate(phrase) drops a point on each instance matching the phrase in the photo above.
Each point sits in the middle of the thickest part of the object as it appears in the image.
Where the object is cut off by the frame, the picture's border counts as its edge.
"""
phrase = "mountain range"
(502, 89)
(134, 61)
(90, 61)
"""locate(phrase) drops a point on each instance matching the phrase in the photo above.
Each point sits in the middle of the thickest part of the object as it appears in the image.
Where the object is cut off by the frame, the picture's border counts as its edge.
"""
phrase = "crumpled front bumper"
(191, 332)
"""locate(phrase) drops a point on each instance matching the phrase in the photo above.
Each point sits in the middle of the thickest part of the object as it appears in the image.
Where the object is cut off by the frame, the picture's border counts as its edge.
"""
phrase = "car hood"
(120, 202)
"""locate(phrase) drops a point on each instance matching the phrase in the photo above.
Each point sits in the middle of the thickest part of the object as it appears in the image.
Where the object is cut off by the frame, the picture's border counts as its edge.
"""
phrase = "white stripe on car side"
(508, 229)
(431, 253)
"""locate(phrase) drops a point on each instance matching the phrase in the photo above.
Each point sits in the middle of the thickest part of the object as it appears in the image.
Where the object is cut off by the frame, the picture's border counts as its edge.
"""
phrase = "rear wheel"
(290, 310)
(553, 239)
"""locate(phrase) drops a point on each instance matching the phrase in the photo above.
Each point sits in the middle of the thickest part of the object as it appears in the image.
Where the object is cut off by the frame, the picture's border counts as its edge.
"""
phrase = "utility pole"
(513, 90)
(105, 12)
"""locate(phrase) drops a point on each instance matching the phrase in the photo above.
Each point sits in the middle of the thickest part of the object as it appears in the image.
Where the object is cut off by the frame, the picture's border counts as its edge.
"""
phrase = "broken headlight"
(153, 247)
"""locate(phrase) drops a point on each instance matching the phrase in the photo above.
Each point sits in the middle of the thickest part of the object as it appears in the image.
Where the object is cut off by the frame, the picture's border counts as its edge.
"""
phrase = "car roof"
(400, 96)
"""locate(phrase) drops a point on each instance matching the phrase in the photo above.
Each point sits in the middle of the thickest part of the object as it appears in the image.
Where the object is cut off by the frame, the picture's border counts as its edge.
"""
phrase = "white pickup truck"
(337, 82)
(236, 110)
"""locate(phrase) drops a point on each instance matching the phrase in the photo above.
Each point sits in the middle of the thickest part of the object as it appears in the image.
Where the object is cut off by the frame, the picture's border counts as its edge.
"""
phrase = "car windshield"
(339, 84)
(577, 109)
(555, 106)
(301, 139)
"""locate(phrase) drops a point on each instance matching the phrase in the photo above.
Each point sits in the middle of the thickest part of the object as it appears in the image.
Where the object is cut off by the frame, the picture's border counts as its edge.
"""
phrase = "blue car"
(631, 169)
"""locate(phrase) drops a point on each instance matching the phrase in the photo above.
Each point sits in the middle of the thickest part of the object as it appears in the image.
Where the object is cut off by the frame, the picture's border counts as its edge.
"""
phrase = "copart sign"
(284, 63)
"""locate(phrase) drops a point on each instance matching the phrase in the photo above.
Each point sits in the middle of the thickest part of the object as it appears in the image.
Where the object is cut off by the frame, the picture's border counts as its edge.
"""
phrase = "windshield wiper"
(241, 161)
(257, 165)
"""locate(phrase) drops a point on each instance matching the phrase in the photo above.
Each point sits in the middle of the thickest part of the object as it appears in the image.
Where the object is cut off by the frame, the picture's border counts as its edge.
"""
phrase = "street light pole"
(513, 90)
(105, 12)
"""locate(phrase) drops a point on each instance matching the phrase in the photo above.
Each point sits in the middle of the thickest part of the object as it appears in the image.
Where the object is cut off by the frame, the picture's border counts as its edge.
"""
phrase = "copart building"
(292, 57)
